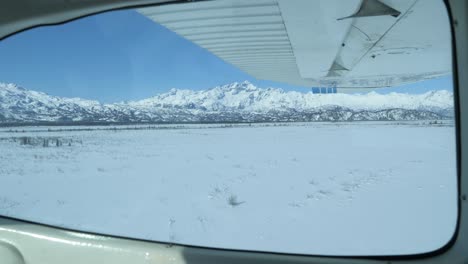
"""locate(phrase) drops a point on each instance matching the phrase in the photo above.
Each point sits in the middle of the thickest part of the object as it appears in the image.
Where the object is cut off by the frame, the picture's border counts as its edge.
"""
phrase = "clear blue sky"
(124, 56)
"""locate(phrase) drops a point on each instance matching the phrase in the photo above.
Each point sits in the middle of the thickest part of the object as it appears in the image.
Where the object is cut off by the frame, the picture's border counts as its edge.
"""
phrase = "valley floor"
(311, 188)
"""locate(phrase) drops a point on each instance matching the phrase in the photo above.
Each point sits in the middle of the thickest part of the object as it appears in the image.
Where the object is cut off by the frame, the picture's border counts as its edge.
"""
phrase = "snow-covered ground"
(310, 188)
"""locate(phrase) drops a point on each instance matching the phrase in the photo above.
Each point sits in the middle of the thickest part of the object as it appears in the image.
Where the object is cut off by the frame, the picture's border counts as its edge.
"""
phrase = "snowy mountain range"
(236, 102)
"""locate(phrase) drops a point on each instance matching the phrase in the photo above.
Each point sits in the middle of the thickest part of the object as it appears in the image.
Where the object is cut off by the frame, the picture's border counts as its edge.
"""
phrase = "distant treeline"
(133, 126)
(107, 123)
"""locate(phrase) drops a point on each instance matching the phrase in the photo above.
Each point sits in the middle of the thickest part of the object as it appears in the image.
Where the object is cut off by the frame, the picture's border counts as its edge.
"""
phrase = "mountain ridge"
(235, 102)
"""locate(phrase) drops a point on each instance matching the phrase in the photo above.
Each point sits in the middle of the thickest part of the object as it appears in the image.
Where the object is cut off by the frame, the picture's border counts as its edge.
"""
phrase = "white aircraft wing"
(346, 44)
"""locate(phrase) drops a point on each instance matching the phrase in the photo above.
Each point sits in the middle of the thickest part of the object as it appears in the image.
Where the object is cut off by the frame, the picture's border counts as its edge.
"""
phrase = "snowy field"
(318, 188)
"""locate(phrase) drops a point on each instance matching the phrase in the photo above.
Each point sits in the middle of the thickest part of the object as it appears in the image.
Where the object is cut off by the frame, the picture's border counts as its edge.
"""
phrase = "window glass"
(301, 127)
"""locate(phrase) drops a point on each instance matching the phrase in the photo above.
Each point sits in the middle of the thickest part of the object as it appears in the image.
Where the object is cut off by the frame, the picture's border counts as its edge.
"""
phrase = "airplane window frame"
(453, 249)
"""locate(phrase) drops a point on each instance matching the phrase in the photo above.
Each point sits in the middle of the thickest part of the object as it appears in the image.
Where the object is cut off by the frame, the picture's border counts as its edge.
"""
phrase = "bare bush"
(25, 141)
(232, 201)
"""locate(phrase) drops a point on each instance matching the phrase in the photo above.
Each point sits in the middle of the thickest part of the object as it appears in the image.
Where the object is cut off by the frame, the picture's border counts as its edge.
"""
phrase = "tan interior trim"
(22, 242)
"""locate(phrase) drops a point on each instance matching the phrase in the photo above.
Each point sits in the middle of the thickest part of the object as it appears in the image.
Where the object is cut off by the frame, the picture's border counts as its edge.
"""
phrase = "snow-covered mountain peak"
(10, 86)
(233, 88)
(238, 86)
(12, 94)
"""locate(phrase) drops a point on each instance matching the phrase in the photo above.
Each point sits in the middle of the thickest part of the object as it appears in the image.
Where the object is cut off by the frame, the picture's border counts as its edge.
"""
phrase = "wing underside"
(345, 44)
